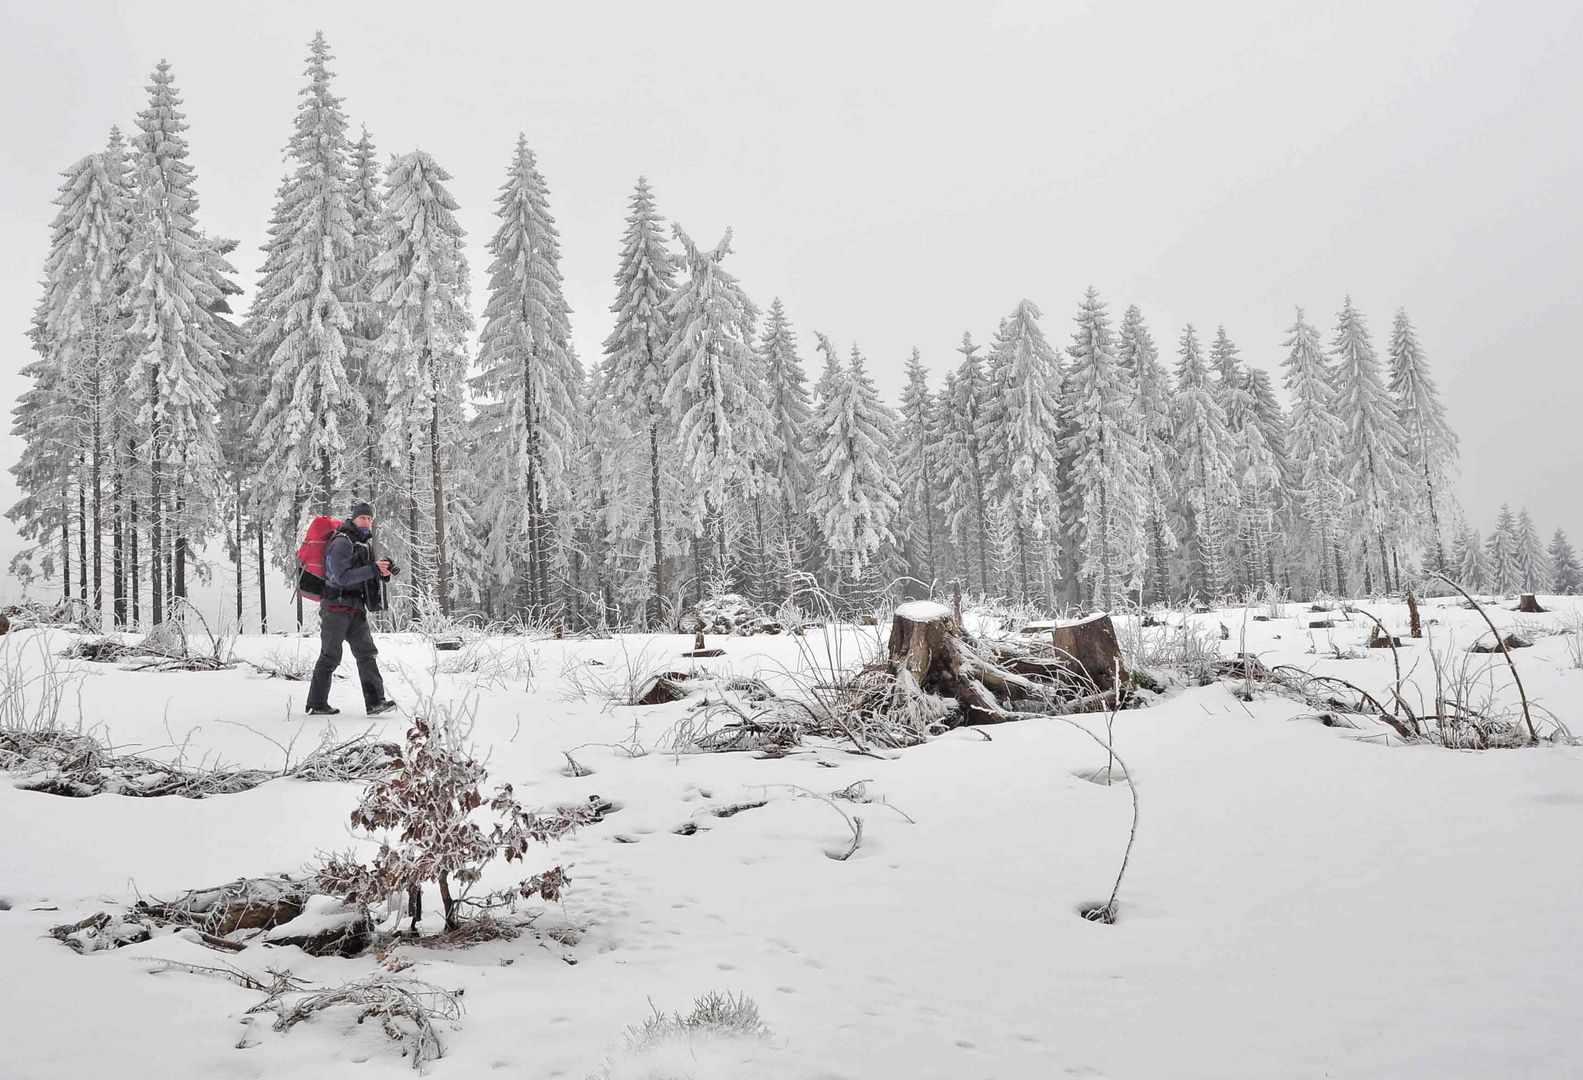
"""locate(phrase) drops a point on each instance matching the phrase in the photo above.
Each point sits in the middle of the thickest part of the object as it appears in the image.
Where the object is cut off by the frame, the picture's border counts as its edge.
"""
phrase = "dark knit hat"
(359, 509)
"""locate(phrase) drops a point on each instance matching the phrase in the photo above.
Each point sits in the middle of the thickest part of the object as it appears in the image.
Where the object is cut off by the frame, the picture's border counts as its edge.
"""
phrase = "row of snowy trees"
(1514, 558)
(692, 456)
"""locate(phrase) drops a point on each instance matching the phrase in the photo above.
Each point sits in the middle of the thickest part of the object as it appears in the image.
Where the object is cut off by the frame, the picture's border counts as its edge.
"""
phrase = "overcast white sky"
(899, 173)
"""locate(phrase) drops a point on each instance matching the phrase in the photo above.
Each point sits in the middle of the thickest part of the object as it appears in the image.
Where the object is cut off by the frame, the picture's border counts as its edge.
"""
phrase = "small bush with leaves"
(426, 811)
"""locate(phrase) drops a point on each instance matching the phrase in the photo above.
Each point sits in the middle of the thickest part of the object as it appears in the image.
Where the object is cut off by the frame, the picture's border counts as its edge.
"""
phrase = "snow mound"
(923, 611)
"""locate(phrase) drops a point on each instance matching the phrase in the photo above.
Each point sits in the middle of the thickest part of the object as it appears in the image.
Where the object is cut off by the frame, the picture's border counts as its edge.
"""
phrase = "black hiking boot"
(383, 707)
(322, 710)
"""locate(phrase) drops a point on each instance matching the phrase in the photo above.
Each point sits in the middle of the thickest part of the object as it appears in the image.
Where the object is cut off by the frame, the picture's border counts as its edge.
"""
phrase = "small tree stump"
(1415, 627)
(5, 625)
(1528, 604)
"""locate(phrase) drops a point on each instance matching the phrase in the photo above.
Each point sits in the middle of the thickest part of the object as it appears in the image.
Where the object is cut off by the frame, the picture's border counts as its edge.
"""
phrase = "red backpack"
(310, 557)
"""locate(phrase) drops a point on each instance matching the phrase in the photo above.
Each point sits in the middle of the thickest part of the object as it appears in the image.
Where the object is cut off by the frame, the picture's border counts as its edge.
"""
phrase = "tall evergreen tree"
(1431, 445)
(1533, 564)
(1205, 491)
(1373, 446)
(965, 463)
(1505, 574)
(1315, 450)
(298, 328)
(636, 369)
(917, 472)
(722, 425)
(177, 377)
(1110, 464)
(528, 377)
(1474, 568)
(856, 495)
(365, 202)
(1151, 410)
(1023, 418)
(421, 283)
(790, 472)
(1566, 575)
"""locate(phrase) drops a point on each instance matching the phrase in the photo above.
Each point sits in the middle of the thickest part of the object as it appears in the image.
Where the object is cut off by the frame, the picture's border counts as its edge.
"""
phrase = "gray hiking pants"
(337, 625)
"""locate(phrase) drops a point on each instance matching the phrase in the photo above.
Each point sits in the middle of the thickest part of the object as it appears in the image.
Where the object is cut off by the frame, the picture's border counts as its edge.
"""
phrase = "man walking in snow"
(352, 578)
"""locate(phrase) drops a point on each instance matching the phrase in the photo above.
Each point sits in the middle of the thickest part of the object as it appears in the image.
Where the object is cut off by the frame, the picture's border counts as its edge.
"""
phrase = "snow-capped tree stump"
(1528, 604)
(929, 653)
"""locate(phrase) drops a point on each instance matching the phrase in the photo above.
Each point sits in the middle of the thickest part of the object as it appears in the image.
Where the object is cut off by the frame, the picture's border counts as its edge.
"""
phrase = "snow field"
(1302, 901)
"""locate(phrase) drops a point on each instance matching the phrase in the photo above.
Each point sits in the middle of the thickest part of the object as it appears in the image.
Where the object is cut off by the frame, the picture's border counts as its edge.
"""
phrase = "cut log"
(1321, 624)
(1092, 646)
(244, 904)
(1528, 604)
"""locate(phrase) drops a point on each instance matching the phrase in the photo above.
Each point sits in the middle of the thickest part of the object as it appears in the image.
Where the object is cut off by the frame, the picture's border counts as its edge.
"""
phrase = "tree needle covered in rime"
(529, 382)
(420, 283)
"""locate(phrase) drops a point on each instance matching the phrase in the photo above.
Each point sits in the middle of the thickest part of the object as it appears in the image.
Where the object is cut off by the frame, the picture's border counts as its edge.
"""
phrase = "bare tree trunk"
(65, 542)
(658, 531)
(760, 572)
(241, 553)
(412, 512)
(82, 535)
(438, 475)
(117, 543)
(156, 497)
(180, 554)
(134, 564)
(263, 592)
(98, 503)
(1022, 556)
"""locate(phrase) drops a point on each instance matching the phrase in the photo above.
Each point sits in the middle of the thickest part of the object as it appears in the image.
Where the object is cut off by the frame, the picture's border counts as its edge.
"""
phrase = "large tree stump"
(928, 652)
(1091, 646)
(1528, 604)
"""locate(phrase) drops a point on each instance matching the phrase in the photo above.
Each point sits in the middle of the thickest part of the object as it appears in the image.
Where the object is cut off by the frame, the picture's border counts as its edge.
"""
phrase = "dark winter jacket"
(350, 577)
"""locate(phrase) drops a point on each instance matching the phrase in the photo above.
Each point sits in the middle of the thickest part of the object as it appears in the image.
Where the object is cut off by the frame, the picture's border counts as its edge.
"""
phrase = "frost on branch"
(428, 814)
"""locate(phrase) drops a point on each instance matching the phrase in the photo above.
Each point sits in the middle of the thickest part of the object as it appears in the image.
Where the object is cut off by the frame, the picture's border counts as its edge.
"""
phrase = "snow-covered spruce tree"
(722, 425)
(1474, 570)
(1533, 564)
(1505, 575)
(421, 285)
(855, 496)
(1373, 447)
(1109, 463)
(1566, 574)
(1021, 418)
(1231, 390)
(1315, 450)
(790, 471)
(1151, 412)
(121, 417)
(917, 454)
(529, 380)
(366, 203)
(965, 464)
(1205, 492)
(635, 369)
(84, 333)
(42, 422)
(298, 326)
(1431, 444)
(178, 375)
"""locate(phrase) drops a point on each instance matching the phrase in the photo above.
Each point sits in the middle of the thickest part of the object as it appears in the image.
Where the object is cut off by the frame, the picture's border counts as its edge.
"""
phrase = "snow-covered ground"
(1302, 900)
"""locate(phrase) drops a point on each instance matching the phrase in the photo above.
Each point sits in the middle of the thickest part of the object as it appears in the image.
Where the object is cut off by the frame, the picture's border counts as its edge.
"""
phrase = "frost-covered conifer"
(1109, 468)
(1431, 444)
(1474, 569)
(790, 470)
(421, 284)
(855, 492)
(714, 390)
(298, 328)
(179, 281)
(917, 472)
(528, 381)
(964, 463)
(1374, 447)
(1151, 411)
(1022, 417)
(366, 203)
(1533, 565)
(635, 351)
(1314, 447)
(1205, 491)
(1504, 574)
(1566, 575)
